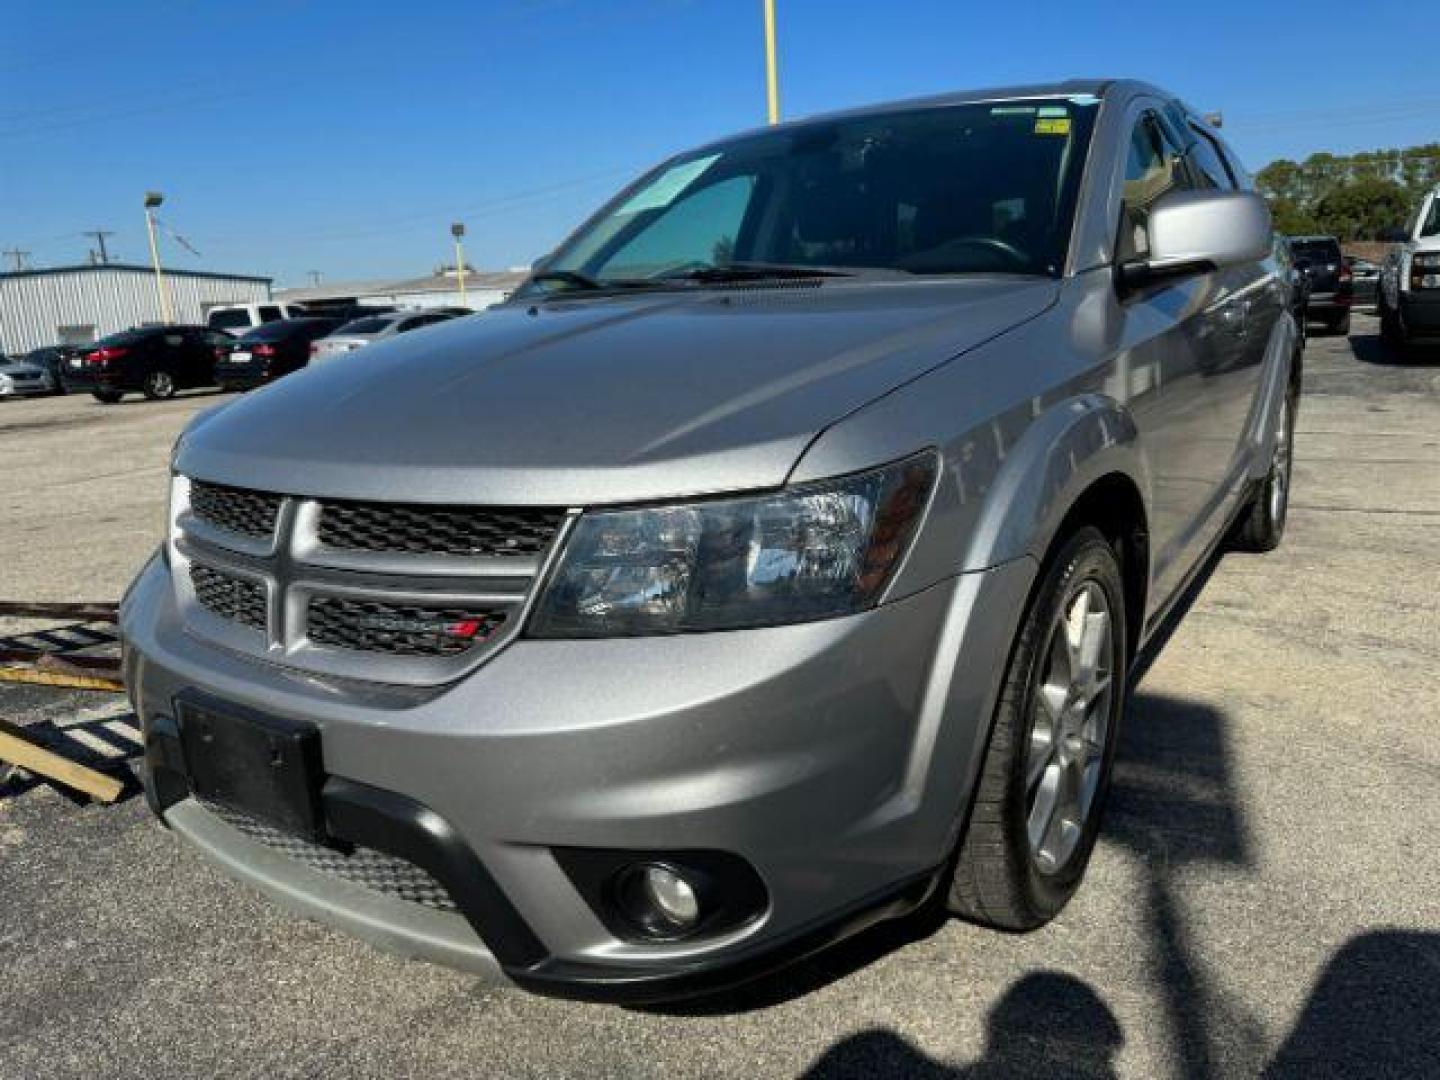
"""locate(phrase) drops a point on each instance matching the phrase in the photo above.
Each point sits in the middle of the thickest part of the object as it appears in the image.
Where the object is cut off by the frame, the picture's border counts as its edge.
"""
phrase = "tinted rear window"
(1317, 250)
(126, 337)
(229, 320)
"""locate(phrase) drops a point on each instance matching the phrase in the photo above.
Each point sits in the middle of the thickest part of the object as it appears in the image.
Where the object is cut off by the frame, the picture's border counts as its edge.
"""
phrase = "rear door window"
(270, 313)
(231, 319)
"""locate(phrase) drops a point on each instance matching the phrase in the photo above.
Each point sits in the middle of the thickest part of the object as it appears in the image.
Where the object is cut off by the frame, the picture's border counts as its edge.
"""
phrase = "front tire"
(106, 397)
(1037, 810)
(1263, 524)
(1392, 331)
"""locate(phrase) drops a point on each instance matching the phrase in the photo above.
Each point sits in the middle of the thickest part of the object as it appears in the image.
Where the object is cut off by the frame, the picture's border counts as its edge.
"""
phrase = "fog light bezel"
(728, 891)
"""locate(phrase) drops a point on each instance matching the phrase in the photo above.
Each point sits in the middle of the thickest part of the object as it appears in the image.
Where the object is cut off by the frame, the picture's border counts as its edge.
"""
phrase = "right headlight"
(814, 551)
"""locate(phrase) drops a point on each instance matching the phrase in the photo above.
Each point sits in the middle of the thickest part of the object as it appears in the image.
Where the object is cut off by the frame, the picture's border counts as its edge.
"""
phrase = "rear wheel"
(108, 397)
(159, 384)
(1263, 525)
(1047, 769)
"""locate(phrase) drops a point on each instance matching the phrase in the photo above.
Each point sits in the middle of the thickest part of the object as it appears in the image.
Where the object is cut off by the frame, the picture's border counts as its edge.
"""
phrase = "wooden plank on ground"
(19, 748)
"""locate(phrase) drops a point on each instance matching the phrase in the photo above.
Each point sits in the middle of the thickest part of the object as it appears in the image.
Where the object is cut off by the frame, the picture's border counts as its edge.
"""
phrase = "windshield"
(939, 190)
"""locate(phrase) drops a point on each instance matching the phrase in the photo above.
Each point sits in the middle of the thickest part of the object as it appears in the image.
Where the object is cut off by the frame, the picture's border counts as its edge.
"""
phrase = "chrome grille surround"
(386, 591)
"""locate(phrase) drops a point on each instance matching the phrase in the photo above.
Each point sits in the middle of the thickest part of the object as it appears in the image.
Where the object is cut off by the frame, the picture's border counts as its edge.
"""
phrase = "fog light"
(659, 900)
(672, 895)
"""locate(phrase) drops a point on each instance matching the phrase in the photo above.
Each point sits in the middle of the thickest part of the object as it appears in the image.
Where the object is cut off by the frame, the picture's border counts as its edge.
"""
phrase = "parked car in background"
(1364, 280)
(240, 318)
(53, 359)
(1297, 283)
(20, 378)
(1331, 293)
(268, 352)
(776, 560)
(1409, 293)
(373, 328)
(153, 360)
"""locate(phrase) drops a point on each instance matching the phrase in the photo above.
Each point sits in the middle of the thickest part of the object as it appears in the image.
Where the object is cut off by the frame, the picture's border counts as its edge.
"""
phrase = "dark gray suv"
(771, 564)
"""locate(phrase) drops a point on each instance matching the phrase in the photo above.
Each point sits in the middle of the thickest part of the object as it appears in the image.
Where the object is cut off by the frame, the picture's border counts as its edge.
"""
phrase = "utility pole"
(19, 257)
(457, 230)
(772, 78)
(314, 276)
(152, 200)
(100, 235)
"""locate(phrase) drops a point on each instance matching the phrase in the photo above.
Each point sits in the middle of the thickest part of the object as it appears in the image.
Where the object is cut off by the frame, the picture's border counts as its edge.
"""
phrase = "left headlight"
(814, 551)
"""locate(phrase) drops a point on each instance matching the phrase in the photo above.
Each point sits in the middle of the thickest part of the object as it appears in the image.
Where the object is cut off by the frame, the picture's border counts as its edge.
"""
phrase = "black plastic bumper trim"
(638, 984)
(400, 826)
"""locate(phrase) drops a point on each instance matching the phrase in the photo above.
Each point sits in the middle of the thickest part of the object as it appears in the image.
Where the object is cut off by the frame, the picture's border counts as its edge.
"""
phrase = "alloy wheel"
(1279, 480)
(1072, 705)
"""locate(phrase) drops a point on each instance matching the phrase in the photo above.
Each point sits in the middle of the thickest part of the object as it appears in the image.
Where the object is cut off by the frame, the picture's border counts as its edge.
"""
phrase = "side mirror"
(1194, 232)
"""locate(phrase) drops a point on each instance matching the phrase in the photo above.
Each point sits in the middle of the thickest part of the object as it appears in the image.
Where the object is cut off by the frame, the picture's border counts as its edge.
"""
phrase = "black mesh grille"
(249, 513)
(399, 629)
(437, 530)
(361, 866)
(229, 597)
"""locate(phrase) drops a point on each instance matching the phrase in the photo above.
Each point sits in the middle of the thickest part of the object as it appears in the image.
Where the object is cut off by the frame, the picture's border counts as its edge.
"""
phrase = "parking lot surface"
(1265, 898)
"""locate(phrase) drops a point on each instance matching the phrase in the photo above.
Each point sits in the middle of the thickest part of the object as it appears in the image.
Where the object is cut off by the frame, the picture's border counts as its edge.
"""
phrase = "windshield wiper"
(585, 283)
(752, 271)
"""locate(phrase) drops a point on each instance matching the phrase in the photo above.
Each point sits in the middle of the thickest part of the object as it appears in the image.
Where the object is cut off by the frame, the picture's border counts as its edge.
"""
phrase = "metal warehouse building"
(75, 305)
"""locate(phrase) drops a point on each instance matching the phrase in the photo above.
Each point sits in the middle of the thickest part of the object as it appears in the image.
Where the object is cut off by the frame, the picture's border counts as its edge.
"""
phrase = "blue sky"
(344, 137)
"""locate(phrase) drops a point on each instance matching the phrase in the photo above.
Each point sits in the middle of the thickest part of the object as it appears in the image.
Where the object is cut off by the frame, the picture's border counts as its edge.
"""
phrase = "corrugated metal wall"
(34, 307)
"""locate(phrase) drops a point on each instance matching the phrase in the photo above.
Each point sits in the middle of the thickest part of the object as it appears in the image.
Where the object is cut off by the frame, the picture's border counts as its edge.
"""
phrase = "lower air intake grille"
(399, 629)
(230, 597)
(371, 869)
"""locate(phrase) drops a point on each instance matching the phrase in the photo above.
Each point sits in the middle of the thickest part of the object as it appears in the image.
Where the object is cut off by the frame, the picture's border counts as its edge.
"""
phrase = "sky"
(344, 138)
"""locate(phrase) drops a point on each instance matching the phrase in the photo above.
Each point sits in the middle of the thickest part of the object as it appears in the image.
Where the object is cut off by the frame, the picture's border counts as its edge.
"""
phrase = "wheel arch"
(1080, 463)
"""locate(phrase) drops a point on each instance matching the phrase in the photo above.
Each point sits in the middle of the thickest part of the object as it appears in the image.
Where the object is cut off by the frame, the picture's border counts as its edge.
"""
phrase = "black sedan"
(269, 351)
(153, 360)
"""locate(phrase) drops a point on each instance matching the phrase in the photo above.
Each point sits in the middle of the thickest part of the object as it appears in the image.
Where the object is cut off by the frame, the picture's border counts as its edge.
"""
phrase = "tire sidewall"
(153, 391)
(1087, 556)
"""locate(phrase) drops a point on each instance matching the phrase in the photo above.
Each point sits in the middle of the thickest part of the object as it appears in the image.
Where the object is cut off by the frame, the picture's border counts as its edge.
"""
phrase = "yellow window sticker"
(1052, 125)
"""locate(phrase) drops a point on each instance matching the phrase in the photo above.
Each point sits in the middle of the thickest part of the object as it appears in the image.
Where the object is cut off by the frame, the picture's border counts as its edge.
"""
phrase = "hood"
(602, 400)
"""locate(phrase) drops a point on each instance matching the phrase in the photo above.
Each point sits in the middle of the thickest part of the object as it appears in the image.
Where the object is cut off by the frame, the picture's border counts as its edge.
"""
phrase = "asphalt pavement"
(1265, 899)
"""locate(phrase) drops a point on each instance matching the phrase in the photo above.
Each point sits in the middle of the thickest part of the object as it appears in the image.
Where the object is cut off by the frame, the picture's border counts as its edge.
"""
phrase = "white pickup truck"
(1409, 293)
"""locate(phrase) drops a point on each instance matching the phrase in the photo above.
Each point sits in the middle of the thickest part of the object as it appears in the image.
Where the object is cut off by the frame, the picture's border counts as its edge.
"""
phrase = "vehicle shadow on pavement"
(1047, 1023)
(1370, 349)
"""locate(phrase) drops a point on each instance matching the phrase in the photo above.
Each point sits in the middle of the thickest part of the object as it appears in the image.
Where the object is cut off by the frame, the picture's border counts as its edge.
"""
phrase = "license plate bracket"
(263, 765)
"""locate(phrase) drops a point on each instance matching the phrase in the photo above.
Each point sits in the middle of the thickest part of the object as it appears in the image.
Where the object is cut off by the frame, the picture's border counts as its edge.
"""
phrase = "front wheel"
(1047, 769)
(1263, 525)
(106, 397)
(1392, 332)
(159, 385)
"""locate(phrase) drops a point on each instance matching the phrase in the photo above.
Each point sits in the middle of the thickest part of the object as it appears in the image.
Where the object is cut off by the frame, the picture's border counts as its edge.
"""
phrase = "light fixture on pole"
(152, 200)
(457, 230)
(772, 78)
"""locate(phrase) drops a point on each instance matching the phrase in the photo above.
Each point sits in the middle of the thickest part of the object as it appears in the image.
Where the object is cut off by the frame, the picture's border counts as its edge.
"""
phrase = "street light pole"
(152, 200)
(457, 230)
(772, 79)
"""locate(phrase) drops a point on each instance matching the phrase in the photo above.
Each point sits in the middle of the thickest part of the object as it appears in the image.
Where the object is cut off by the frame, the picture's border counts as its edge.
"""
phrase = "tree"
(1291, 219)
(1362, 209)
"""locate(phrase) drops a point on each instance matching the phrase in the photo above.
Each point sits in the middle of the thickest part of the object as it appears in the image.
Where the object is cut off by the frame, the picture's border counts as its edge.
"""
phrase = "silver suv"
(772, 563)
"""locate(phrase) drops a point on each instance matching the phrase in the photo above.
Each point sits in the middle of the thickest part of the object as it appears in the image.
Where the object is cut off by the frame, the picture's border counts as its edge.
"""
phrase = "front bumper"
(836, 758)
